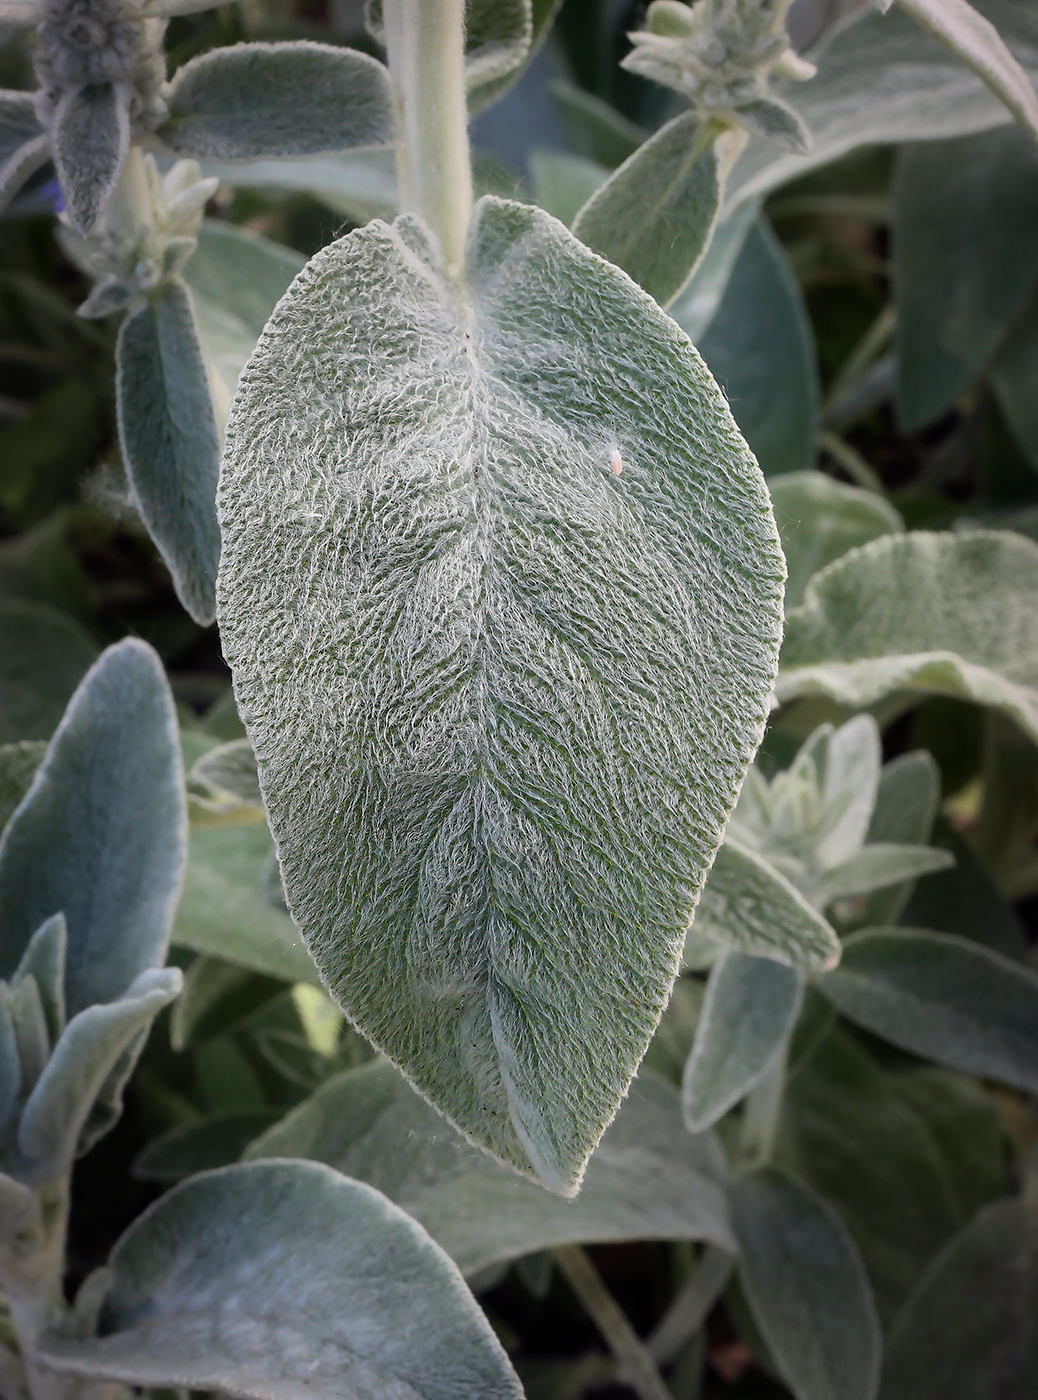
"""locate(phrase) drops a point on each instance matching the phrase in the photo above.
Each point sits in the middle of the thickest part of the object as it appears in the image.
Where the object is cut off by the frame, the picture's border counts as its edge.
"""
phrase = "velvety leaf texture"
(972, 630)
(90, 138)
(100, 834)
(370, 1124)
(501, 591)
(291, 99)
(286, 1281)
(170, 441)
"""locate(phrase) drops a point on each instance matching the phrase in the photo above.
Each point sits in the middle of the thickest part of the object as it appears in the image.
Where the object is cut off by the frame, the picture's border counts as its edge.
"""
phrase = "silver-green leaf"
(90, 137)
(370, 1124)
(502, 624)
(748, 1015)
(942, 997)
(971, 632)
(808, 1290)
(288, 99)
(277, 1280)
(170, 441)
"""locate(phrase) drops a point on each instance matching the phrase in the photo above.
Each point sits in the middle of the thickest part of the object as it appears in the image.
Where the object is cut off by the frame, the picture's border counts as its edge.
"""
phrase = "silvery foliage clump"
(502, 591)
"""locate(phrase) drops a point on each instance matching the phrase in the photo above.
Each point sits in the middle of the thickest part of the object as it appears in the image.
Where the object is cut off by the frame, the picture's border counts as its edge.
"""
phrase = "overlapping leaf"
(482, 809)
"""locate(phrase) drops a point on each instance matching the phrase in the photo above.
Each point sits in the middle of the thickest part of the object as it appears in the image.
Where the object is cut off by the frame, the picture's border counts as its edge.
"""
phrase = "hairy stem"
(425, 42)
(638, 1368)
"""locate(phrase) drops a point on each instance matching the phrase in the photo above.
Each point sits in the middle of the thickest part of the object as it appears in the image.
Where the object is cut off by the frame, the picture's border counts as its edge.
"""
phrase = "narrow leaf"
(970, 1328)
(100, 835)
(370, 1124)
(542, 428)
(749, 906)
(821, 520)
(90, 136)
(360, 1302)
(84, 1057)
(944, 998)
(750, 1009)
(170, 442)
(44, 961)
(760, 349)
(808, 1290)
(978, 43)
(655, 215)
(289, 99)
(906, 805)
(876, 866)
(965, 261)
(971, 632)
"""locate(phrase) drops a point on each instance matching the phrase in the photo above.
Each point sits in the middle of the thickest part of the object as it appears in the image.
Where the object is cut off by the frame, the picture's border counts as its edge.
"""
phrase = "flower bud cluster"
(84, 43)
(720, 54)
(131, 258)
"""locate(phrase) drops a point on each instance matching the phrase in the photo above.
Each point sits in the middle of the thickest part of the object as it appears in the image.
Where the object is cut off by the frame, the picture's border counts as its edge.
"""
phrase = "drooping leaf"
(654, 216)
(971, 1327)
(1013, 376)
(749, 906)
(966, 261)
(977, 42)
(236, 278)
(553, 417)
(216, 1140)
(18, 765)
(43, 656)
(750, 1008)
(59, 1108)
(972, 629)
(231, 906)
(170, 441)
(90, 136)
(23, 144)
(881, 77)
(760, 348)
(100, 835)
(942, 997)
(287, 99)
(907, 1158)
(820, 520)
(360, 1303)
(808, 1290)
(906, 805)
(370, 1124)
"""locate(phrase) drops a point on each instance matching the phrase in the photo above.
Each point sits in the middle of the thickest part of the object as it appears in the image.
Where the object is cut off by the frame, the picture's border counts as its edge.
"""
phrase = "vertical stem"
(425, 42)
(639, 1369)
(760, 1118)
(690, 1306)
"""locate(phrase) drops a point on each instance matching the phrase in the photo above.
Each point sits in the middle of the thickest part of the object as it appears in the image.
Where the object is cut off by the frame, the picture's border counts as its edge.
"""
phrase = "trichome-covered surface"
(501, 590)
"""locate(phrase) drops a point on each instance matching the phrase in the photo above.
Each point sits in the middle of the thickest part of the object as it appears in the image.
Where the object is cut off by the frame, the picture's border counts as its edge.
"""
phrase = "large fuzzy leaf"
(236, 279)
(971, 632)
(546, 585)
(90, 136)
(278, 1280)
(748, 1015)
(971, 1327)
(170, 441)
(290, 99)
(808, 1290)
(965, 261)
(370, 1124)
(100, 834)
(944, 998)
(760, 349)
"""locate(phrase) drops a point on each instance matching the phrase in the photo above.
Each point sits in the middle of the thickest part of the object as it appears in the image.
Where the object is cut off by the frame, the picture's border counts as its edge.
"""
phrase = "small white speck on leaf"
(616, 462)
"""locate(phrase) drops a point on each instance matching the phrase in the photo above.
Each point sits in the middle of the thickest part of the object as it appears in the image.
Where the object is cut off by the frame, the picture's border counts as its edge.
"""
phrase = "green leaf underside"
(966, 260)
(498, 777)
(750, 906)
(972, 630)
(289, 99)
(969, 1329)
(285, 1280)
(100, 834)
(369, 1124)
(749, 1012)
(171, 443)
(944, 998)
(807, 1288)
(654, 216)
